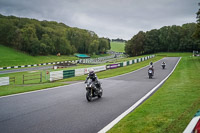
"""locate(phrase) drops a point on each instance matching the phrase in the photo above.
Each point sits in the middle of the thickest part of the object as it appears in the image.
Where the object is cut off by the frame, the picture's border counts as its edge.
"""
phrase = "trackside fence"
(32, 77)
(57, 75)
(12, 79)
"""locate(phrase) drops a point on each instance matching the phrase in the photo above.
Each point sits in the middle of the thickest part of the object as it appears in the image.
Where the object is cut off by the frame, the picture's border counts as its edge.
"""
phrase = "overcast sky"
(107, 18)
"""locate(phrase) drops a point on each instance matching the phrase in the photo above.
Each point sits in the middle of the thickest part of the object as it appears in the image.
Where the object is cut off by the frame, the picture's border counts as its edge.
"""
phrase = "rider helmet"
(91, 72)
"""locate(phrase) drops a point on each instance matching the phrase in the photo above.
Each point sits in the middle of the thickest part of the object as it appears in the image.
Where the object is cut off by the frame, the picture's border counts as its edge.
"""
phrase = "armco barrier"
(125, 63)
(56, 75)
(112, 66)
(41, 64)
(121, 64)
(4, 81)
(79, 72)
(68, 73)
(96, 69)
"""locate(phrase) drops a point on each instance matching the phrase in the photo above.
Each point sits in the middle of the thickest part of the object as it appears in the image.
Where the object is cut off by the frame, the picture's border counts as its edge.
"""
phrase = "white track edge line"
(70, 84)
(116, 120)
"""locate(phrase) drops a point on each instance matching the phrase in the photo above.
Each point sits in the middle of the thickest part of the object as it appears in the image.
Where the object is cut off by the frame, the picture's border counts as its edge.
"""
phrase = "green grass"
(14, 89)
(117, 46)
(172, 107)
(12, 57)
(175, 54)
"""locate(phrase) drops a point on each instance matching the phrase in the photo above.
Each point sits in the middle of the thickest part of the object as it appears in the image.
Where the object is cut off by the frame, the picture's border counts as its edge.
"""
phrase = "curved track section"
(65, 109)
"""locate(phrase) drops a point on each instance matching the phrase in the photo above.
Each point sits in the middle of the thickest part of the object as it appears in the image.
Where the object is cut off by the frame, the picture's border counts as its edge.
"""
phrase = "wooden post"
(41, 77)
(23, 79)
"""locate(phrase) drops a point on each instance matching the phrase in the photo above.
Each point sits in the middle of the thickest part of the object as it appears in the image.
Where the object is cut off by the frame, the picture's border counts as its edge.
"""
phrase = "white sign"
(56, 75)
(4, 81)
(79, 72)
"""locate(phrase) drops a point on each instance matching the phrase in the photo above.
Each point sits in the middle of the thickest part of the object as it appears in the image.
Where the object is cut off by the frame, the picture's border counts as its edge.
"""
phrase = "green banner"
(68, 73)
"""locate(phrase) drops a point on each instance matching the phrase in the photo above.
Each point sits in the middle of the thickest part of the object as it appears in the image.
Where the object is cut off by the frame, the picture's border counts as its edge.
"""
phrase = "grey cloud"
(108, 18)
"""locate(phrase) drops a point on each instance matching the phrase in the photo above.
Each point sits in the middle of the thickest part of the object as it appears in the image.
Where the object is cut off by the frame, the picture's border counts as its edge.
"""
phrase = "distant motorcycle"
(163, 65)
(93, 90)
(150, 73)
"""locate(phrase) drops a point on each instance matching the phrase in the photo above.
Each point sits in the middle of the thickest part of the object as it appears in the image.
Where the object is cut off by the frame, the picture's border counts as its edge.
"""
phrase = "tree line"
(166, 39)
(118, 40)
(49, 37)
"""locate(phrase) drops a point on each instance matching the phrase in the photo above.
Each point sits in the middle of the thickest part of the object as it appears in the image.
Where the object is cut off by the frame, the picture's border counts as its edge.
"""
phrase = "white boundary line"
(116, 120)
(71, 84)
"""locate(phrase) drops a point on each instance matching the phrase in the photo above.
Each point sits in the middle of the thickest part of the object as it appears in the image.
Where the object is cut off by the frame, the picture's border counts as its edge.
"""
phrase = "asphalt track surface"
(26, 69)
(66, 110)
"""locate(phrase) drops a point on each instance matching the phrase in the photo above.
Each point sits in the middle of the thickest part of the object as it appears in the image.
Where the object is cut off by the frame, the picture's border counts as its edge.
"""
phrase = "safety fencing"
(32, 77)
(95, 60)
(57, 75)
(83, 61)
(41, 64)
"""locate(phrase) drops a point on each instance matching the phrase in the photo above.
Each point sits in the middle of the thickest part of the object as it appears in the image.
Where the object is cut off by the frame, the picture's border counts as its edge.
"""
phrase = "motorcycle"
(163, 66)
(93, 90)
(150, 73)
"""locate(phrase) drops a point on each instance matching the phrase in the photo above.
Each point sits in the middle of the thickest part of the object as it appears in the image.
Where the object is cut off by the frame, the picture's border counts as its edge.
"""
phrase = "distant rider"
(163, 63)
(151, 63)
(93, 77)
(151, 68)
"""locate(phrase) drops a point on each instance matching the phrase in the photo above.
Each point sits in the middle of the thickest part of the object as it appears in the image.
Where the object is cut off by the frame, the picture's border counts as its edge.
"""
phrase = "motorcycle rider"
(93, 77)
(151, 68)
(163, 63)
(151, 63)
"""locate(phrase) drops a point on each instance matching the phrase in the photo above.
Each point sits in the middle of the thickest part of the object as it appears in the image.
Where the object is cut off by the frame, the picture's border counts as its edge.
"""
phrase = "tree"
(197, 32)
(103, 45)
(136, 45)
(93, 47)
(163, 40)
(50, 48)
(187, 42)
(28, 38)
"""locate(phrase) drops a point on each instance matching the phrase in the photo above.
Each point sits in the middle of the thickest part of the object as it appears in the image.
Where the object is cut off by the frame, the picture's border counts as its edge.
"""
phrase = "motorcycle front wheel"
(88, 96)
(150, 76)
(100, 93)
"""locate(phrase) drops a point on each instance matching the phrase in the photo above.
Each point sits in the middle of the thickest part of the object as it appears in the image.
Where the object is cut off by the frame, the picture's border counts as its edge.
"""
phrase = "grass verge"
(117, 46)
(12, 57)
(170, 109)
(14, 89)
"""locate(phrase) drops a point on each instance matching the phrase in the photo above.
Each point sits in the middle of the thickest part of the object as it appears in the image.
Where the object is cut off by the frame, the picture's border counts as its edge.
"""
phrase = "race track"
(66, 110)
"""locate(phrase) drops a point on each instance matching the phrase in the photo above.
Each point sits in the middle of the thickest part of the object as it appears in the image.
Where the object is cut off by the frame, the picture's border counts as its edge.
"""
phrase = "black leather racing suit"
(94, 79)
